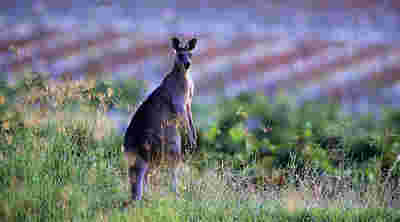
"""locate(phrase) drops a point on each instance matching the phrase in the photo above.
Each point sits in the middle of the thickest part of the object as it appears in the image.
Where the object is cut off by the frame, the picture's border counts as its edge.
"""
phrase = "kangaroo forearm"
(192, 128)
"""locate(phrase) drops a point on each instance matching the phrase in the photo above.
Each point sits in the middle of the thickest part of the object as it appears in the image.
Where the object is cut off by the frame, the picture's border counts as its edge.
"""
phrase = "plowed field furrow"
(307, 65)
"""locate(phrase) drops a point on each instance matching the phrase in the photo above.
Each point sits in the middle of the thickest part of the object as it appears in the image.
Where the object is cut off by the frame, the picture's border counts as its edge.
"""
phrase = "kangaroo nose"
(187, 65)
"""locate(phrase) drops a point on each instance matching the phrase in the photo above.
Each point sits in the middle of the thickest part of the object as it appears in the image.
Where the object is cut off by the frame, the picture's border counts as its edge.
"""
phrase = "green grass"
(49, 175)
(67, 164)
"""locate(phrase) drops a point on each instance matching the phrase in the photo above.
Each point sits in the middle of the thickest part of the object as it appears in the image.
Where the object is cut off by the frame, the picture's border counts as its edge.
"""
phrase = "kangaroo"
(154, 133)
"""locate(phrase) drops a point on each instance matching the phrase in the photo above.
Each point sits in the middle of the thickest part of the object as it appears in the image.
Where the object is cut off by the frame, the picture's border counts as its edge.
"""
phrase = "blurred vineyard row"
(357, 66)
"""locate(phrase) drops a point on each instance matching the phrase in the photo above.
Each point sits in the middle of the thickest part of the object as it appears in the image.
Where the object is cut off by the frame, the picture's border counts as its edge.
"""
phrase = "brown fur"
(153, 138)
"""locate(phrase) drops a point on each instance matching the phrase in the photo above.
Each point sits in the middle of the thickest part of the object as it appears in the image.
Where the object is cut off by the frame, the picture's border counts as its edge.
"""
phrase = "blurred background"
(271, 81)
(347, 51)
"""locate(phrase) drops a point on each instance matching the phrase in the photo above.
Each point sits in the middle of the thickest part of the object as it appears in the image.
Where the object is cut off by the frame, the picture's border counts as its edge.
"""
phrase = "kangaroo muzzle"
(186, 65)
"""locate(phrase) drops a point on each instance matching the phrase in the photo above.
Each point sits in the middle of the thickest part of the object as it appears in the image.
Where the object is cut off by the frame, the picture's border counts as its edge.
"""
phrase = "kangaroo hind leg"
(175, 162)
(137, 173)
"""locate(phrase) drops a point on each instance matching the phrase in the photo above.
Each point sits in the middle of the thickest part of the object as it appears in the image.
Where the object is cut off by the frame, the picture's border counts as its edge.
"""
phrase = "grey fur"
(154, 134)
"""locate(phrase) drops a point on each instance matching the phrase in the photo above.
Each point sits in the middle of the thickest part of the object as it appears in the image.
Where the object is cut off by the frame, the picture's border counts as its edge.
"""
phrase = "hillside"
(345, 50)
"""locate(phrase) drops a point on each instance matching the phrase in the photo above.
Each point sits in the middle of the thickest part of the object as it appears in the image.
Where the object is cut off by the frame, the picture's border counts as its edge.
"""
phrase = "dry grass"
(69, 164)
(212, 185)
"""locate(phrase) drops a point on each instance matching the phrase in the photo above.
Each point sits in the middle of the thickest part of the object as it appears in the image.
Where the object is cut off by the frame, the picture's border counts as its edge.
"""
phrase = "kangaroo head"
(183, 53)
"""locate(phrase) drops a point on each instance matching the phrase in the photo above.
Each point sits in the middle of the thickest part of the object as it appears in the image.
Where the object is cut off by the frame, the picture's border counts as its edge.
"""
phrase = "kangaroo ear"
(175, 43)
(192, 44)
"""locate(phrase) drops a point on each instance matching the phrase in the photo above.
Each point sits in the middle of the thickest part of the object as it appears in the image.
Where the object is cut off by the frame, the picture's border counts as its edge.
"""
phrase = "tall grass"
(63, 161)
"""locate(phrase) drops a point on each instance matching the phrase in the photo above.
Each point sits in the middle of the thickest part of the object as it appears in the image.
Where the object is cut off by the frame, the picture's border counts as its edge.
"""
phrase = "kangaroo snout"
(183, 58)
(187, 65)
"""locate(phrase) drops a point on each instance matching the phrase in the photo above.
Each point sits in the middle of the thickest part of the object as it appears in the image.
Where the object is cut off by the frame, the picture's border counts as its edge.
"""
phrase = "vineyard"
(351, 56)
(296, 105)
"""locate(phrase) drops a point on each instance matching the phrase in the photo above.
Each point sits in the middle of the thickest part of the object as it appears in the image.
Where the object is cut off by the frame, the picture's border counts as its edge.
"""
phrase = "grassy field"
(64, 162)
